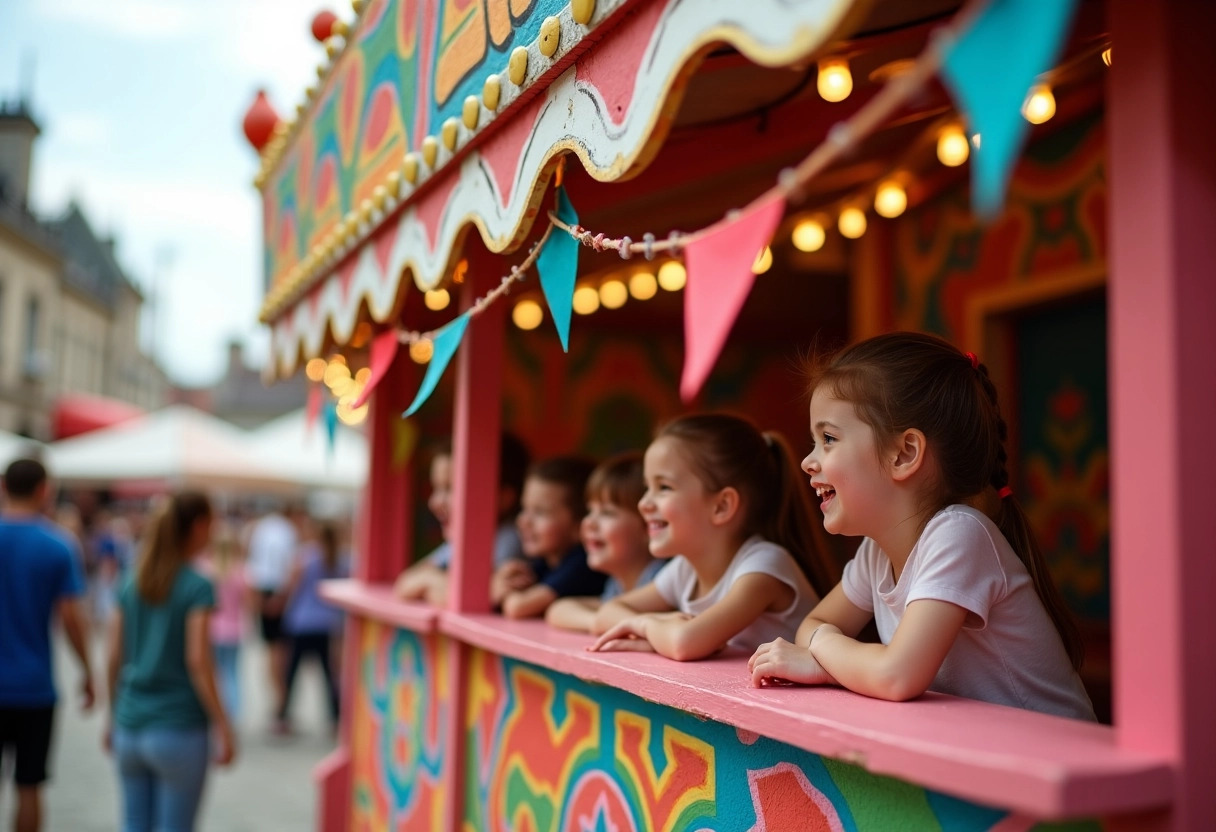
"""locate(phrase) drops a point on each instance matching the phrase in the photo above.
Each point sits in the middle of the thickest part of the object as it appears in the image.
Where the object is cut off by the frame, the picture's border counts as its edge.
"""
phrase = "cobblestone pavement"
(268, 789)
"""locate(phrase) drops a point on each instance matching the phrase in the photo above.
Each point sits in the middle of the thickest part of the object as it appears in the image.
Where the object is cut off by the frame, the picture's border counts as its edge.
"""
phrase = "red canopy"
(80, 413)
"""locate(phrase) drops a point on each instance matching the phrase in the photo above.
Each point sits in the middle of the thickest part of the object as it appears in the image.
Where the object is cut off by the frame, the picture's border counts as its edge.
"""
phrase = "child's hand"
(780, 661)
(629, 634)
(512, 576)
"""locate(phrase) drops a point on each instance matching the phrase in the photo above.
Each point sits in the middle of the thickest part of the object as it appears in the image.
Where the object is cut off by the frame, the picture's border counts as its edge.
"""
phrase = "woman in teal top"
(163, 695)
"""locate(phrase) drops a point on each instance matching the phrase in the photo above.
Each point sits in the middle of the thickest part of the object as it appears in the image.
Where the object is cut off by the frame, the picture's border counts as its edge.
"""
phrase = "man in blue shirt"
(39, 577)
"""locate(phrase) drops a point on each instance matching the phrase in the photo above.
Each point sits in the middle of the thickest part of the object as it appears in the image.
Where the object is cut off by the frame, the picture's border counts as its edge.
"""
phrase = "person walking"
(40, 577)
(163, 694)
(310, 621)
(271, 553)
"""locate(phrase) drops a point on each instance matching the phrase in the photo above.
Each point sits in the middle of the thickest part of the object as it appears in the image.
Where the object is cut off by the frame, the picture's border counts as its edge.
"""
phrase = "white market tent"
(178, 446)
(13, 447)
(300, 453)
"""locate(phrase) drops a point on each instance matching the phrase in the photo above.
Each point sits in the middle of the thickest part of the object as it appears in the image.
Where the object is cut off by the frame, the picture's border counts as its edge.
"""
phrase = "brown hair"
(164, 550)
(570, 473)
(905, 380)
(728, 450)
(619, 479)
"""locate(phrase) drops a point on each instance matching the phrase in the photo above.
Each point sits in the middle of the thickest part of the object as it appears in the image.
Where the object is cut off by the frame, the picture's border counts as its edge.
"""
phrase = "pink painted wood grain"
(377, 602)
(1162, 302)
(332, 776)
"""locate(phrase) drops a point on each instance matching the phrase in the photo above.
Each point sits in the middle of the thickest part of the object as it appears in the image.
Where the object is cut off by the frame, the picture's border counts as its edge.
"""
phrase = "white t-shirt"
(1008, 651)
(272, 547)
(678, 582)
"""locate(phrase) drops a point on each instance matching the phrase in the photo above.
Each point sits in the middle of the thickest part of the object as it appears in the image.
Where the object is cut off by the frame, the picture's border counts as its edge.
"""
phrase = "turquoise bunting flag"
(990, 70)
(445, 344)
(558, 266)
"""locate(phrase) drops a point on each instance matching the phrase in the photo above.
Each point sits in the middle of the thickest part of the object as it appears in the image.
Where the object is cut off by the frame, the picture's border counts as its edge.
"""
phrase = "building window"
(35, 360)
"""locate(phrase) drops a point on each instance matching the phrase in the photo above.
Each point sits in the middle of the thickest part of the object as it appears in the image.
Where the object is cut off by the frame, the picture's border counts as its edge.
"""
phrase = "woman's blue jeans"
(162, 771)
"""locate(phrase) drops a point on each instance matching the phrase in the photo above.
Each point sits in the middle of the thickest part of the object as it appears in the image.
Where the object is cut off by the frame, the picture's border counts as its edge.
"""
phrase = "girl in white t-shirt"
(907, 432)
(726, 504)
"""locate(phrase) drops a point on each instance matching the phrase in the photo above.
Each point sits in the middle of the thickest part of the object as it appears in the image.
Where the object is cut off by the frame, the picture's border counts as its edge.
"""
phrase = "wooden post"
(476, 429)
(388, 517)
(1163, 381)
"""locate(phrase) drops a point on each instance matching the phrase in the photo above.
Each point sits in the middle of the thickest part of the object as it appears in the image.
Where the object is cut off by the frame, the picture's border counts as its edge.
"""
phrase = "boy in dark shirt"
(555, 563)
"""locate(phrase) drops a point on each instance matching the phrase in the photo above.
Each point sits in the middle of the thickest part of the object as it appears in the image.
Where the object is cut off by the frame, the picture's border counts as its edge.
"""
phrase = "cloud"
(135, 19)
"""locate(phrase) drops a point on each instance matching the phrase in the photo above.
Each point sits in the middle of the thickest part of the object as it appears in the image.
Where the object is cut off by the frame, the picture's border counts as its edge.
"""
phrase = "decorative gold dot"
(517, 66)
(550, 35)
(393, 183)
(365, 210)
(332, 45)
(582, 11)
(409, 167)
(340, 28)
(490, 92)
(322, 69)
(471, 112)
(430, 151)
(357, 5)
(379, 195)
(448, 132)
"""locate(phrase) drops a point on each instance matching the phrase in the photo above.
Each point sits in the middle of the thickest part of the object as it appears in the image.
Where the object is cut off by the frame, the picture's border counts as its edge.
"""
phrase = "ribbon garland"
(953, 50)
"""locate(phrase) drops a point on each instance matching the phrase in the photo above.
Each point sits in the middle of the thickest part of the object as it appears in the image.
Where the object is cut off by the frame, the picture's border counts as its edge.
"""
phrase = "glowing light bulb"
(335, 372)
(763, 261)
(672, 276)
(643, 286)
(1040, 104)
(1106, 55)
(891, 199)
(363, 375)
(952, 146)
(527, 314)
(835, 82)
(613, 294)
(808, 235)
(586, 300)
(421, 351)
(852, 223)
(437, 299)
(315, 369)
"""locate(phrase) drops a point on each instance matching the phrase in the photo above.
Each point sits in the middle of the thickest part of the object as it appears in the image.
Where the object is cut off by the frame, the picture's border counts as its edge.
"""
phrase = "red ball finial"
(323, 25)
(260, 121)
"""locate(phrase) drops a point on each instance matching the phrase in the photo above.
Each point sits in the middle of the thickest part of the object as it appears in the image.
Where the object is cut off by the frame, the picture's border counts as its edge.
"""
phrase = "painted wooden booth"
(422, 168)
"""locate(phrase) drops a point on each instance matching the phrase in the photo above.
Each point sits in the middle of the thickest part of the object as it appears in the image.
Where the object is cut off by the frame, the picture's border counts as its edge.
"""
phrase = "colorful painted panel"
(398, 719)
(1054, 228)
(551, 752)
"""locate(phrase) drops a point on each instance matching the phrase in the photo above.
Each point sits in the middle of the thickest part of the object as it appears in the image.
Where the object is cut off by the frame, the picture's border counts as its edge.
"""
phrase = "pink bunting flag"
(312, 408)
(719, 280)
(384, 350)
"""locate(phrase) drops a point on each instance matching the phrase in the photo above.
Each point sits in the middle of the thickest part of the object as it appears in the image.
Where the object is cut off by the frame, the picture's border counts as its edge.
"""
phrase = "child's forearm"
(676, 636)
(863, 668)
(572, 614)
(609, 614)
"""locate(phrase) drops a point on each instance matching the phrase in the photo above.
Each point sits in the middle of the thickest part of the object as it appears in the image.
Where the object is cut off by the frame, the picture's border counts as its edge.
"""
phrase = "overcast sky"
(140, 104)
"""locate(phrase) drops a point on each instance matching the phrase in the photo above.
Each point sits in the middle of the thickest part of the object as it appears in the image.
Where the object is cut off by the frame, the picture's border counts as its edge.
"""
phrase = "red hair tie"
(1005, 492)
(975, 361)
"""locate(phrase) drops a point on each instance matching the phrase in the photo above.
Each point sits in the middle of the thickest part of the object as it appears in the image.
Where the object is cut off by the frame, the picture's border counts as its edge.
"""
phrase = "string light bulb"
(613, 294)
(1040, 105)
(421, 351)
(835, 82)
(437, 299)
(891, 199)
(335, 371)
(852, 223)
(527, 314)
(643, 286)
(586, 300)
(952, 146)
(315, 369)
(1106, 55)
(763, 261)
(808, 235)
(672, 276)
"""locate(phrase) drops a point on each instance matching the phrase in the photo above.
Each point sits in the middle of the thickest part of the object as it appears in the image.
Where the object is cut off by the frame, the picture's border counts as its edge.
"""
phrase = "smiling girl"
(724, 502)
(908, 436)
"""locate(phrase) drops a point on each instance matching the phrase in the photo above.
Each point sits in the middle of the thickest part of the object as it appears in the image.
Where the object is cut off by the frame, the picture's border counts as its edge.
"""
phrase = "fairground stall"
(575, 220)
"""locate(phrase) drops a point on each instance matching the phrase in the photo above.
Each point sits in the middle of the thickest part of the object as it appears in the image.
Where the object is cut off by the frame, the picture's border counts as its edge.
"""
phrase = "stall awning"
(81, 413)
(436, 117)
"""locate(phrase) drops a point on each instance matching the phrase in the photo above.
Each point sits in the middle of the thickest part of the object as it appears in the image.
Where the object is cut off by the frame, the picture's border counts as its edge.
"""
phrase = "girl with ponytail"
(908, 437)
(724, 502)
(163, 697)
